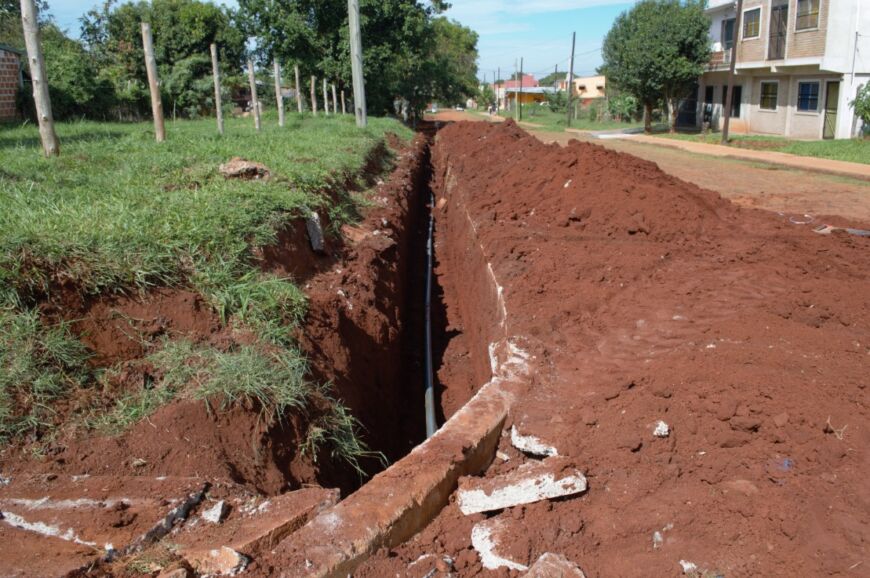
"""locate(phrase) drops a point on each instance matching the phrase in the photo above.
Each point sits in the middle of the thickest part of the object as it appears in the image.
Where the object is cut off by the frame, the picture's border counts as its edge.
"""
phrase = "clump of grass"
(339, 431)
(38, 364)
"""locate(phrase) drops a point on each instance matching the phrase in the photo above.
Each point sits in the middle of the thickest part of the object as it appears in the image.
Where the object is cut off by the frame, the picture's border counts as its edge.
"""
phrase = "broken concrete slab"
(254, 525)
(486, 538)
(554, 566)
(108, 514)
(531, 444)
(239, 168)
(24, 554)
(531, 482)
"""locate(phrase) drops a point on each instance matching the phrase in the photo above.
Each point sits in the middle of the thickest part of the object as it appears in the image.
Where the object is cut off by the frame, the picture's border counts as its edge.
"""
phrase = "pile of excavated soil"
(648, 299)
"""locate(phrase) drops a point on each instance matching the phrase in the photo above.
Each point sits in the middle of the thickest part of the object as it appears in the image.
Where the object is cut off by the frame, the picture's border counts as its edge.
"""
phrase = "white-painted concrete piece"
(484, 540)
(527, 484)
(531, 444)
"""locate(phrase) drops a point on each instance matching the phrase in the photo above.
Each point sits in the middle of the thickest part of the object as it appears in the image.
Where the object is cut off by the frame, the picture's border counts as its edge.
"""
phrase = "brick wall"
(9, 79)
(807, 43)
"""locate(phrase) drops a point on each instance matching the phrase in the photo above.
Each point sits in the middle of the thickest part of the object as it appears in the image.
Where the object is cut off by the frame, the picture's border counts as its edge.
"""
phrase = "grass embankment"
(850, 150)
(118, 212)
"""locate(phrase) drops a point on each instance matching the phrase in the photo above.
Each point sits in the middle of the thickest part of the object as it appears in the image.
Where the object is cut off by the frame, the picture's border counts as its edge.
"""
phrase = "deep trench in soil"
(385, 381)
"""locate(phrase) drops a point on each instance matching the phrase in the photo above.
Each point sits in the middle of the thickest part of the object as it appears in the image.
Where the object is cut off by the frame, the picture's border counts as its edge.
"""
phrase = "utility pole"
(356, 61)
(313, 96)
(298, 89)
(153, 82)
(497, 97)
(279, 98)
(30, 23)
(255, 103)
(730, 93)
(520, 94)
(556, 77)
(216, 75)
(570, 86)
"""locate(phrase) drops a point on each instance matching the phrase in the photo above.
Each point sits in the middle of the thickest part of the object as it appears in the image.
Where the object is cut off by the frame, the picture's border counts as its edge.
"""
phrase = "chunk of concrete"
(216, 513)
(239, 168)
(662, 430)
(485, 539)
(315, 232)
(554, 566)
(221, 561)
(531, 444)
(531, 482)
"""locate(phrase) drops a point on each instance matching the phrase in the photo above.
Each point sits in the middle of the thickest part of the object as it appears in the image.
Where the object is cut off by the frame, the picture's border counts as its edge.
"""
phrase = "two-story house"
(799, 64)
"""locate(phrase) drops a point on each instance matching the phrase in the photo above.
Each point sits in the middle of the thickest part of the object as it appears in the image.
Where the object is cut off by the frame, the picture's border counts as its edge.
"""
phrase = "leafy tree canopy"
(657, 49)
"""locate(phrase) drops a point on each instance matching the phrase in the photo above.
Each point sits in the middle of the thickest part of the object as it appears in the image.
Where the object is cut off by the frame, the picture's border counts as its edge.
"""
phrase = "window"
(752, 23)
(735, 100)
(807, 14)
(728, 33)
(769, 93)
(808, 96)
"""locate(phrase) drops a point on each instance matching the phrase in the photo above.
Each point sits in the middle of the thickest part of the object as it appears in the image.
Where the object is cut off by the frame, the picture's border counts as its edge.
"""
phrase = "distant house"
(587, 88)
(527, 95)
(799, 63)
(10, 81)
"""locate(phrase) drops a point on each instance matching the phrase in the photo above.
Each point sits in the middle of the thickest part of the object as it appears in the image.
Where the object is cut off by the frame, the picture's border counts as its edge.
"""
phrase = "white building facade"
(799, 64)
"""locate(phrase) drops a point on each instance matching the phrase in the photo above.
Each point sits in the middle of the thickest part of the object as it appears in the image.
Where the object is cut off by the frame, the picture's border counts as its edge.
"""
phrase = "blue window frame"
(808, 96)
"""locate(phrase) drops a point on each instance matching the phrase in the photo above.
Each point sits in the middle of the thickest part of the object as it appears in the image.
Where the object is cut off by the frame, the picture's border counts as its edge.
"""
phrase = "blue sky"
(537, 30)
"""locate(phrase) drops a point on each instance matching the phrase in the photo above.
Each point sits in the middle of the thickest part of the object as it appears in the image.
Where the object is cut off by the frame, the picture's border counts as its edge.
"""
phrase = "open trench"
(374, 352)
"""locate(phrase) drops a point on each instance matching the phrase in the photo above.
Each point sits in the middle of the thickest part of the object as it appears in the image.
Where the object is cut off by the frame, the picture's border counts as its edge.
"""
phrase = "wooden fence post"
(279, 98)
(334, 101)
(255, 103)
(313, 96)
(298, 90)
(356, 61)
(325, 98)
(153, 82)
(50, 143)
(218, 106)
(343, 105)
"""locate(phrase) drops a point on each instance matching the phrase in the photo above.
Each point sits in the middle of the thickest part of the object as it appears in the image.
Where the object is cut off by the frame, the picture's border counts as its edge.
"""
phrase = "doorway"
(832, 100)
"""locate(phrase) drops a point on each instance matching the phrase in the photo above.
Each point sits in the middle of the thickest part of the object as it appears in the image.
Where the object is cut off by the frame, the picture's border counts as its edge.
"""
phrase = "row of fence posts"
(48, 136)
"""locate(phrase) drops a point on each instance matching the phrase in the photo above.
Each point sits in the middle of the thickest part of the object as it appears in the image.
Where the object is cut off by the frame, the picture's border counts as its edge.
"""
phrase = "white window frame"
(743, 23)
(761, 95)
(818, 21)
(798, 96)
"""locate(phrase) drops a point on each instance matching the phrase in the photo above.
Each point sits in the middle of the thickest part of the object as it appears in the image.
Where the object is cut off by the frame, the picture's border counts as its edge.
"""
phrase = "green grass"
(118, 212)
(558, 122)
(850, 150)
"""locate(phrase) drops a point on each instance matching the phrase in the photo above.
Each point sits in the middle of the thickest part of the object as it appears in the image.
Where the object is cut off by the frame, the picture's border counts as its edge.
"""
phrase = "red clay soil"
(646, 299)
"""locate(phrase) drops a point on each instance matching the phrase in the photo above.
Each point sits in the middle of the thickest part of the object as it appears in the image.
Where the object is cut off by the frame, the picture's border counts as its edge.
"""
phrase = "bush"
(861, 104)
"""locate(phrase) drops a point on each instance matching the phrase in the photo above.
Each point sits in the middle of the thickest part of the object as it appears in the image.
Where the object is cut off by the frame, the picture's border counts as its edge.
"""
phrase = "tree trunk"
(50, 143)
(647, 117)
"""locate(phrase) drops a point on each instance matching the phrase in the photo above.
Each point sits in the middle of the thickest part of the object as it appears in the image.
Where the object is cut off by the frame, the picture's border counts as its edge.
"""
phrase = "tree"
(410, 53)
(552, 79)
(861, 104)
(183, 32)
(656, 50)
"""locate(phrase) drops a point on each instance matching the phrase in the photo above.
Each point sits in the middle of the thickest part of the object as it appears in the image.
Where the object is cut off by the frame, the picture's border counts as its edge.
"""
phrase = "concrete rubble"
(485, 539)
(530, 444)
(529, 483)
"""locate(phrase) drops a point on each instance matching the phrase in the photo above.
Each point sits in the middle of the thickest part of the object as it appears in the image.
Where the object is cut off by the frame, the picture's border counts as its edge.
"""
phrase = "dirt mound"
(654, 300)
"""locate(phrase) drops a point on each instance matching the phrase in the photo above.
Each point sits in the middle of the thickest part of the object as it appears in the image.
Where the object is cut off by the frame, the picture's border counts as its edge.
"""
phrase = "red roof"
(529, 81)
